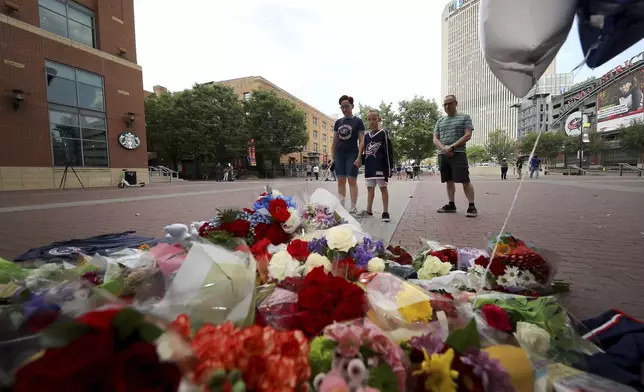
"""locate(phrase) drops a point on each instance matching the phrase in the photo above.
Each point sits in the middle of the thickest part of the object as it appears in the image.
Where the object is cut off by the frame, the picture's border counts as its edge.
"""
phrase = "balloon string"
(505, 223)
(575, 71)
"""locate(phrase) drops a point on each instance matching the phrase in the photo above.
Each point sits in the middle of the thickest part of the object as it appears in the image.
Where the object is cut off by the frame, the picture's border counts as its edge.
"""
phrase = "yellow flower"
(413, 304)
(438, 369)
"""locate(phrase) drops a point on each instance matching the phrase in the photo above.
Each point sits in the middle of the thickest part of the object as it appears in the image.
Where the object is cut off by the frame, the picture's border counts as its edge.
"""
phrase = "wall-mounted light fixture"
(122, 51)
(130, 119)
(18, 98)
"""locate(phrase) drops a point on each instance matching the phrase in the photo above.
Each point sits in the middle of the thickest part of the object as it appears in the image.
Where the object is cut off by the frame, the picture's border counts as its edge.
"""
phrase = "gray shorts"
(372, 182)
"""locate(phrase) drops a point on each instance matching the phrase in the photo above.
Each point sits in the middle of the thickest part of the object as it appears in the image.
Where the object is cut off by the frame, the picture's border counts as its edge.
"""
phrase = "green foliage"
(206, 123)
(462, 340)
(500, 145)
(276, 124)
(632, 137)
(417, 120)
(477, 154)
(321, 355)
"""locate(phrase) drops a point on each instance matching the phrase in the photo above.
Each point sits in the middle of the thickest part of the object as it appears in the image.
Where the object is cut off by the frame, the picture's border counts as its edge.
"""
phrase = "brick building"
(318, 124)
(72, 93)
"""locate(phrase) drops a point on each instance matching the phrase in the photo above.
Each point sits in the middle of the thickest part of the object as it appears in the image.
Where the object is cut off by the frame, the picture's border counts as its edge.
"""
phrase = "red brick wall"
(24, 134)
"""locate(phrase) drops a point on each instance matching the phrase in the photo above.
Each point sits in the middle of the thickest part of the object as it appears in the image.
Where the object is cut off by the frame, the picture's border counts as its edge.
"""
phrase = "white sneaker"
(353, 210)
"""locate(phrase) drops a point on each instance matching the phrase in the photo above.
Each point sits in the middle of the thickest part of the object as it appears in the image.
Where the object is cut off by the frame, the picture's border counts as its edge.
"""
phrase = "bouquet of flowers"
(311, 303)
(273, 216)
(445, 253)
(458, 363)
(403, 309)
(254, 358)
(356, 356)
(516, 267)
(541, 325)
(320, 217)
(111, 348)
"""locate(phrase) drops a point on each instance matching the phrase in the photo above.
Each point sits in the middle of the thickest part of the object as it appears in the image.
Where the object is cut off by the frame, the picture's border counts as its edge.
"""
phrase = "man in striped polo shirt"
(451, 134)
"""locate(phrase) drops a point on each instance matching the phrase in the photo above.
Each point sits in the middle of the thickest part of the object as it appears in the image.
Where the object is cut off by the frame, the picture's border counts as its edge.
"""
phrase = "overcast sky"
(316, 50)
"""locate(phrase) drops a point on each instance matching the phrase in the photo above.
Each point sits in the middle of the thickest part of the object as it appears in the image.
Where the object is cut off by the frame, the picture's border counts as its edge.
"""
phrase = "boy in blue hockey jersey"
(378, 163)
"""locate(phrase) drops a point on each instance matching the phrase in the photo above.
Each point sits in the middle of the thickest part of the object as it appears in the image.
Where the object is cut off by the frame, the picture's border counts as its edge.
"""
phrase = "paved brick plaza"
(595, 224)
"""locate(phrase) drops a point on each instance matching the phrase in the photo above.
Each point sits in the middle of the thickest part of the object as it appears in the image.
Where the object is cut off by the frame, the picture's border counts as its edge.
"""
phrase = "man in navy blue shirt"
(535, 166)
(348, 144)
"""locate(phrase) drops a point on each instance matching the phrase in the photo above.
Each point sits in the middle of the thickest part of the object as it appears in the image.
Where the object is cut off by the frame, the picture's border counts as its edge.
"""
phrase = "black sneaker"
(471, 212)
(385, 217)
(447, 208)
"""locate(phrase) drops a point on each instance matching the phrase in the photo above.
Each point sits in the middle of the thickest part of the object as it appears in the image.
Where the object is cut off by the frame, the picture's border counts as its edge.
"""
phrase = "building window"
(67, 19)
(315, 134)
(247, 96)
(315, 122)
(324, 125)
(77, 116)
(315, 147)
(323, 149)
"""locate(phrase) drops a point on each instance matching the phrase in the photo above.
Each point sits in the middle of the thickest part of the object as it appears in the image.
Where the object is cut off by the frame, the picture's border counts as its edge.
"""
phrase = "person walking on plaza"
(416, 171)
(399, 170)
(378, 163)
(535, 166)
(309, 170)
(316, 172)
(346, 150)
(451, 134)
(504, 169)
(519, 166)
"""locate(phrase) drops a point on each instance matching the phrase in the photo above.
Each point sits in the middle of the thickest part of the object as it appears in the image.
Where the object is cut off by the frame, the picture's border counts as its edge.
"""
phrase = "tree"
(205, 123)
(477, 154)
(549, 147)
(277, 126)
(499, 144)
(632, 137)
(414, 132)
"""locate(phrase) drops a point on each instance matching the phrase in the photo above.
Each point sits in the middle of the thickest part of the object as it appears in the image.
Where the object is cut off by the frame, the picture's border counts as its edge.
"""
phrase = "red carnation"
(496, 317)
(239, 228)
(299, 250)
(498, 267)
(279, 210)
(276, 234)
(403, 257)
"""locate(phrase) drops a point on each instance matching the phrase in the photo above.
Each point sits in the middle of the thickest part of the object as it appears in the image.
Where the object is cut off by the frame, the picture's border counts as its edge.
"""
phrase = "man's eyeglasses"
(345, 106)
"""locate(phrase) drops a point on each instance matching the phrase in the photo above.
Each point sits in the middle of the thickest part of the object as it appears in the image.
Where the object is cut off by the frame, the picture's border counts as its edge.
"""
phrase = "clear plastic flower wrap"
(403, 309)
(213, 284)
(540, 325)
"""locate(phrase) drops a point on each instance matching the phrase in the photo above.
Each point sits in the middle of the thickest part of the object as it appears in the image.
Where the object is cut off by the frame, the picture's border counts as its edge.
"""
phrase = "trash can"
(130, 177)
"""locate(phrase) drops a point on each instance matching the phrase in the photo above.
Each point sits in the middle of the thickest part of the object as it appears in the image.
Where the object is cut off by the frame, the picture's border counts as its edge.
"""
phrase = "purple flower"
(37, 303)
(318, 245)
(494, 376)
(380, 247)
(431, 342)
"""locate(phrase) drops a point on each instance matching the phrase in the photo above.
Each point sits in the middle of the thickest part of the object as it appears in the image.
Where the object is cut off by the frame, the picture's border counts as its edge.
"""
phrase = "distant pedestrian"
(504, 169)
(378, 163)
(416, 170)
(309, 170)
(535, 166)
(451, 134)
(399, 171)
(410, 174)
(332, 170)
(519, 166)
(316, 172)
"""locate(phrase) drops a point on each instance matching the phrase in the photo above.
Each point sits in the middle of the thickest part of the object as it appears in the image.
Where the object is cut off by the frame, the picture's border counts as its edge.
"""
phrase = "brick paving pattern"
(596, 225)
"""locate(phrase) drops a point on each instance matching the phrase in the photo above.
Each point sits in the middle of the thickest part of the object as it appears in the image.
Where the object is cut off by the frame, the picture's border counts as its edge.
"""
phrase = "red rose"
(79, 366)
(137, 368)
(100, 320)
(497, 268)
(496, 317)
(239, 228)
(298, 249)
(276, 234)
(279, 210)
(291, 283)
(260, 231)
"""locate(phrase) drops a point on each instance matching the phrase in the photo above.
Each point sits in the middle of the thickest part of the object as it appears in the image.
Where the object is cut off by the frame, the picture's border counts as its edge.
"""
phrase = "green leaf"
(61, 334)
(463, 339)
(126, 322)
(149, 332)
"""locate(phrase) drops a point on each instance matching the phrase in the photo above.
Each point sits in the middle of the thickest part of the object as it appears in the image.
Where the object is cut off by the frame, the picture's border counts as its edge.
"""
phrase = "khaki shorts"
(372, 182)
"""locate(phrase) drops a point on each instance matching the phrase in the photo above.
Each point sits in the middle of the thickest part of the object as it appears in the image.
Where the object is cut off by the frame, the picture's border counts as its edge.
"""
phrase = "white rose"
(434, 265)
(376, 265)
(341, 238)
(276, 193)
(282, 265)
(317, 260)
(533, 338)
(293, 221)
